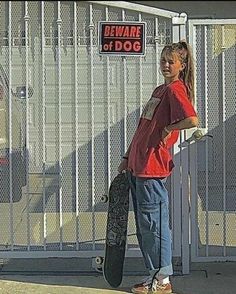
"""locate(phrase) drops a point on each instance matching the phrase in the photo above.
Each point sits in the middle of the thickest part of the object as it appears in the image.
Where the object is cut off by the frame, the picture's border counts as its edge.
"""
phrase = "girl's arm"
(187, 123)
(124, 163)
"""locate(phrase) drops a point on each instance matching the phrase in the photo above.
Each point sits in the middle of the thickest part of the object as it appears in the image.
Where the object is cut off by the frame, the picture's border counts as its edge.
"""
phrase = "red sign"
(122, 38)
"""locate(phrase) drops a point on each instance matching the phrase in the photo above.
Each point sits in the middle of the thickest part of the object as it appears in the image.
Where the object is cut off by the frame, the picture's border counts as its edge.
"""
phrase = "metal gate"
(213, 159)
(67, 117)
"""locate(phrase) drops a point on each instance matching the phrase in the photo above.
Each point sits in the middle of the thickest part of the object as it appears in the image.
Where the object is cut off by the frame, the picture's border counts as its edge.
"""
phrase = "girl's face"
(171, 66)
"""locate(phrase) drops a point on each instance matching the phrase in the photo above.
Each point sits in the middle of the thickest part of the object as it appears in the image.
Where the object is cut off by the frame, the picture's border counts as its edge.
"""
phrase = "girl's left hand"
(123, 165)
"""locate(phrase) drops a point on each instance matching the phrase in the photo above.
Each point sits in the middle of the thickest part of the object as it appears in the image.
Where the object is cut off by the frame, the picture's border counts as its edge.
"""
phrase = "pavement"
(19, 277)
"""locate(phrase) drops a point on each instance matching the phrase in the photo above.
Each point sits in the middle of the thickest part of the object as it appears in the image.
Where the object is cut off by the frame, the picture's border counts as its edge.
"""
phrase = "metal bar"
(62, 254)
(185, 210)
(91, 29)
(157, 51)
(59, 22)
(224, 139)
(193, 164)
(137, 8)
(10, 126)
(206, 142)
(43, 127)
(125, 92)
(182, 31)
(76, 129)
(140, 78)
(26, 19)
(185, 191)
(175, 33)
(212, 21)
(214, 258)
(175, 182)
(108, 114)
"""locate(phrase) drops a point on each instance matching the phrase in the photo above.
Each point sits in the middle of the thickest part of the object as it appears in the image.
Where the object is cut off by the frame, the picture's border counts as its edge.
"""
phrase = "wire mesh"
(81, 118)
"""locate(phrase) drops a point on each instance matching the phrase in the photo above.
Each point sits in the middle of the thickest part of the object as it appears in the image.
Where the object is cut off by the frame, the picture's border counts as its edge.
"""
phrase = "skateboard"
(116, 230)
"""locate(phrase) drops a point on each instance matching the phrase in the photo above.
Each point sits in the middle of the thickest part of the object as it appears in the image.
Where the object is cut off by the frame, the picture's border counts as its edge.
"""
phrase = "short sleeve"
(180, 106)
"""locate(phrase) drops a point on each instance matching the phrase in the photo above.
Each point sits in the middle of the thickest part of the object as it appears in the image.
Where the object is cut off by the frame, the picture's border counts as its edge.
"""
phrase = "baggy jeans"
(150, 197)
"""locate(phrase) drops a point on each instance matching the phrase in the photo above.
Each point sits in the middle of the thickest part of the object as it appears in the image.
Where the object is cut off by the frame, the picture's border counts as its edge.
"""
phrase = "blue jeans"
(150, 198)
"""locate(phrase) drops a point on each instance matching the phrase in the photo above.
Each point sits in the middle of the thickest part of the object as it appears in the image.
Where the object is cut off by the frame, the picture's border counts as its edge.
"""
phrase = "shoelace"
(155, 285)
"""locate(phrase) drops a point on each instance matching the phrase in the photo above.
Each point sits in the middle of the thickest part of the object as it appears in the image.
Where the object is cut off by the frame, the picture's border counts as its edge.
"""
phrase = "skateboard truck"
(97, 263)
(99, 260)
(104, 198)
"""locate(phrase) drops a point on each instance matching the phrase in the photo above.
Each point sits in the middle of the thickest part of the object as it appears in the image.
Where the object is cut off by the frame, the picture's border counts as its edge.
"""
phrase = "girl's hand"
(165, 134)
(123, 165)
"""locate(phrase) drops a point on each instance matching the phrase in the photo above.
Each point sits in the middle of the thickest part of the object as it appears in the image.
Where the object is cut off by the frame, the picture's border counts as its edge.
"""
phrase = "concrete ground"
(204, 278)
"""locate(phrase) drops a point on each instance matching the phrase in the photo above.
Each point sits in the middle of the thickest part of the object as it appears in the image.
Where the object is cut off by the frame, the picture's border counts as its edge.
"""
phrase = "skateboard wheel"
(104, 198)
(99, 270)
(99, 260)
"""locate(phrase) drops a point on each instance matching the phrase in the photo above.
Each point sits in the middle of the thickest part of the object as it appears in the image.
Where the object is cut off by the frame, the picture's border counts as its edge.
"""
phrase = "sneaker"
(143, 286)
(161, 289)
(146, 288)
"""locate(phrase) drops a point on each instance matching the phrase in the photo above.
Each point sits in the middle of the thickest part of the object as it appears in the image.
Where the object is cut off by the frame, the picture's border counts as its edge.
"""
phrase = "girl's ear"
(183, 66)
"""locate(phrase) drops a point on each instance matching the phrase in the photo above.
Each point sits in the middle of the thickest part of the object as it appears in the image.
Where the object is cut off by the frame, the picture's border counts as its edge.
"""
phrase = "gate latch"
(197, 135)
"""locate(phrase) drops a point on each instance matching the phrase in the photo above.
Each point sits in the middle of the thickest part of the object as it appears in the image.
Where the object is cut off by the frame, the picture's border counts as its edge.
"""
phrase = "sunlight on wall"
(224, 37)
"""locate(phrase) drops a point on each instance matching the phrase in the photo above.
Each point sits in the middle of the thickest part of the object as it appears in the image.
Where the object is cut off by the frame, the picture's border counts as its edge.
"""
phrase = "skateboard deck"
(116, 230)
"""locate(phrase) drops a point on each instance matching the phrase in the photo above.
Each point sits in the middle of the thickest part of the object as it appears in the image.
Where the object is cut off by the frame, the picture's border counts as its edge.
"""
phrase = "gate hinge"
(180, 20)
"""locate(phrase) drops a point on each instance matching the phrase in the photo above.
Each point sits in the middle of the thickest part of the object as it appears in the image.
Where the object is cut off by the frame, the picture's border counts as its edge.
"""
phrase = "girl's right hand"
(165, 136)
(123, 165)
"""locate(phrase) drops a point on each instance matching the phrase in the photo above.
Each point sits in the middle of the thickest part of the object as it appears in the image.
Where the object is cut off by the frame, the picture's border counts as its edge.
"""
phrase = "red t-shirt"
(148, 157)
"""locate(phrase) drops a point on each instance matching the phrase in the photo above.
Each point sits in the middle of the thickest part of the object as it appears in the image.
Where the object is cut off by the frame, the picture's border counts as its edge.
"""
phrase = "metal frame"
(180, 201)
(137, 7)
(193, 156)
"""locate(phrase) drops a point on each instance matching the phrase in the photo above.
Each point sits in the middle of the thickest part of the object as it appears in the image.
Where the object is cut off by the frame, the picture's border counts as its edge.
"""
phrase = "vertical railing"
(10, 125)
(193, 161)
(179, 32)
(124, 92)
(185, 191)
(223, 136)
(140, 77)
(76, 129)
(108, 114)
(91, 29)
(206, 141)
(59, 22)
(26, 19)
(43, 126)
(176, 180)
(157, 40)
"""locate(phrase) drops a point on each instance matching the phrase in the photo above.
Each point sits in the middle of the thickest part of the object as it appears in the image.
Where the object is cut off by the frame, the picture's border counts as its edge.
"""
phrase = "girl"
(148, 163)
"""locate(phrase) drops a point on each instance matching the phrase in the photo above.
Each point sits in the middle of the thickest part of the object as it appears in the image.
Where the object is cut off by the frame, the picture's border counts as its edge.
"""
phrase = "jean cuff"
(164, 271)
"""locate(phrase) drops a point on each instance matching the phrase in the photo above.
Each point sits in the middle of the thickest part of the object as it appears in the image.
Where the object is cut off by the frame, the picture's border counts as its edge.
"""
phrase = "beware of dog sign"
(122, 38)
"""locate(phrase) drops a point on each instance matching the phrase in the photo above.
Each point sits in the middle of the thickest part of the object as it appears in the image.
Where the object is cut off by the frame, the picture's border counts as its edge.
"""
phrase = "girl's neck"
(167, 82)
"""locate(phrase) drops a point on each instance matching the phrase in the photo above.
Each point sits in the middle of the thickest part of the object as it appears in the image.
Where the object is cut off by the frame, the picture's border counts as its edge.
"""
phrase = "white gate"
(67, 117)
(213, 159)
